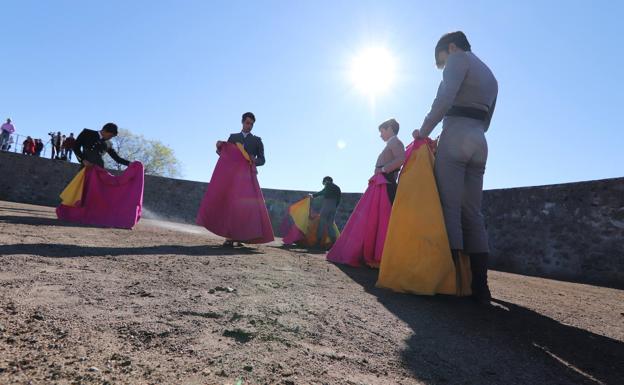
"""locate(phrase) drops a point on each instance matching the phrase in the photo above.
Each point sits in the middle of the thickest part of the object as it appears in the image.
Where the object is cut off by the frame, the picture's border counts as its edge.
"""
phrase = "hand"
(416, 134)
(86, 163)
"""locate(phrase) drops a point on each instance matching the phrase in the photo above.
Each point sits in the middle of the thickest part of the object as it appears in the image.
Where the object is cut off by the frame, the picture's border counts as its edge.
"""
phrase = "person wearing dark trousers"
(56, 146)
(466, 99)
(68, 146)
(392, 157)
(91, 145)
(38, 147)
(331, 199)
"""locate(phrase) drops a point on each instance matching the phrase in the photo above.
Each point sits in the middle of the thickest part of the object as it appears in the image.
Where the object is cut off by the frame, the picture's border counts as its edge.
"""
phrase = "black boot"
(459, 268)
(480, 289)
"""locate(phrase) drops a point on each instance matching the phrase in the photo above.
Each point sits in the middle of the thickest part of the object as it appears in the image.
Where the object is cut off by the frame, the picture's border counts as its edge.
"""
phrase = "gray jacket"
(253, 145)
(466, 82)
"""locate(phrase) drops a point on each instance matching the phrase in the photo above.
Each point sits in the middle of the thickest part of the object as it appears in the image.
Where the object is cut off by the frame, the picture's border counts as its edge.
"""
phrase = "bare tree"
(157, 158)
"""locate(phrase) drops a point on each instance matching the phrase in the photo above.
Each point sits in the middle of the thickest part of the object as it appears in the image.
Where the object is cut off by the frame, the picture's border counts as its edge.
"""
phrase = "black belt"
(468, 112)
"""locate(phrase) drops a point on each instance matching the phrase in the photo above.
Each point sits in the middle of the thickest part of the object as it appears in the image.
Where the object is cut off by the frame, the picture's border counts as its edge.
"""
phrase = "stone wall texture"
(571, 231)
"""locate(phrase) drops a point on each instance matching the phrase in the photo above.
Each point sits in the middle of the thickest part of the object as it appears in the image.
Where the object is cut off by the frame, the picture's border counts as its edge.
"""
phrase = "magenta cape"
(233, 206)
(108, 200)
(362, 239)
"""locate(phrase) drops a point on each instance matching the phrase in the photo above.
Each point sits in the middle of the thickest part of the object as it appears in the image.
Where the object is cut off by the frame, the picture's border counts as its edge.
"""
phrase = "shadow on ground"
(41, 221)
(456, 341)
(300, 249)
(69, 251)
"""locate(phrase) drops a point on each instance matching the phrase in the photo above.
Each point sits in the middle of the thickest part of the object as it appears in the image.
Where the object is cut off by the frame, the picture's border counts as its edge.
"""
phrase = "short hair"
(457, 37)
(110, 127)
(390, 123)
(248, 115)
(328, 179)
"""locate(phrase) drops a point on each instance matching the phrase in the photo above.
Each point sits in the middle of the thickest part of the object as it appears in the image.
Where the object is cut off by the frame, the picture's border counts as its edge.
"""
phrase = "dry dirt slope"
(163, 304)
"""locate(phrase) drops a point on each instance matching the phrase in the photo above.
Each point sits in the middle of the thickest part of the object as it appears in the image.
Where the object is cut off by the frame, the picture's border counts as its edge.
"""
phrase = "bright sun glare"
(373, 71)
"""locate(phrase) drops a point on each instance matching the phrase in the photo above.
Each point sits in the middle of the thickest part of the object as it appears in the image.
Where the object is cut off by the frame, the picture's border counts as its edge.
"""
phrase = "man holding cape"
(233, 205)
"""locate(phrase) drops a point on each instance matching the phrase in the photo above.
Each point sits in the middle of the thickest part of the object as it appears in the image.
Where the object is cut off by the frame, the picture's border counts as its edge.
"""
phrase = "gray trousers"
(459, 168)
(4, 140)
(327, 217)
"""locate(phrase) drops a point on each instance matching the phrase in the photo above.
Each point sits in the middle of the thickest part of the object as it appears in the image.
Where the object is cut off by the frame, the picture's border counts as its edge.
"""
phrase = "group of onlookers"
(62, 147)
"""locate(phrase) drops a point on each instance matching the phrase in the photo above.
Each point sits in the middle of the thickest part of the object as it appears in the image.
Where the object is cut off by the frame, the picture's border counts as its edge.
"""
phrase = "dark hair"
(390, 123)
(110, 127)
(248, 115)
(458, 38)
(328, 179)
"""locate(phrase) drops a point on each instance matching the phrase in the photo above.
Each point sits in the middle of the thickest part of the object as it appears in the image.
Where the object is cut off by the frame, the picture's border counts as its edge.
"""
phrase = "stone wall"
(570, 231)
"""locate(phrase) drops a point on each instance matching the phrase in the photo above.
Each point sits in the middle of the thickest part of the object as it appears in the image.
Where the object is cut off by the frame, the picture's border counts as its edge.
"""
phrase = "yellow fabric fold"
(417, 257)
(243, 151)
(73, 192)
(300, 213)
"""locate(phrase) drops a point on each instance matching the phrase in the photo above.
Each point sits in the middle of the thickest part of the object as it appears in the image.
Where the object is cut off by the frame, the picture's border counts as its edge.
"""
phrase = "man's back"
(479, 88)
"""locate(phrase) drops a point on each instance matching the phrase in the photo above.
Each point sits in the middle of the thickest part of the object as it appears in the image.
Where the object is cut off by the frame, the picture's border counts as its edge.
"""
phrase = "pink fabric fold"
(362, 239)
(293, 235)
(233, 205)
(108, 200)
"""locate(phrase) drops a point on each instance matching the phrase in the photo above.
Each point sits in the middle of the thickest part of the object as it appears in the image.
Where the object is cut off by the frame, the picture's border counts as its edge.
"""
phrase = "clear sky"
(184, 71)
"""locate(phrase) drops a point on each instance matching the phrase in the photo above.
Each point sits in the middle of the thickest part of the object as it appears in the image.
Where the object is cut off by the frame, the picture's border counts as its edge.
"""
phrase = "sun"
(373, 71)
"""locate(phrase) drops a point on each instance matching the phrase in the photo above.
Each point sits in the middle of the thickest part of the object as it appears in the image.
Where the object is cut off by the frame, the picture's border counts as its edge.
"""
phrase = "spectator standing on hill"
(6, 130)
(28, 146)
(56, 146)
(38, 147)
(68, 146)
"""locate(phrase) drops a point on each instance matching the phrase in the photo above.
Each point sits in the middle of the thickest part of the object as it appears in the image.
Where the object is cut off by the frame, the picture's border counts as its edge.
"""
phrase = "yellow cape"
(73, 192)
(417, 257)
(307, 224)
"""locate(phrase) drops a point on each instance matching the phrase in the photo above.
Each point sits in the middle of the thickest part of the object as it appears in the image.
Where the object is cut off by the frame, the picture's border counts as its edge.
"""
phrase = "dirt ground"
(164, 304)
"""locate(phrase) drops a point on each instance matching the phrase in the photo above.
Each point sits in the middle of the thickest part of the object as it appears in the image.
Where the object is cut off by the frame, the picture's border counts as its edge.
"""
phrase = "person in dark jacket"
(254, 148)
(331, 199)
(91, 145)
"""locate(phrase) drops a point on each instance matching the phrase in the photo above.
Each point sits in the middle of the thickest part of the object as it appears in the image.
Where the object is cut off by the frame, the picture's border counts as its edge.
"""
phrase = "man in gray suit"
(253, 144)
(465, 100)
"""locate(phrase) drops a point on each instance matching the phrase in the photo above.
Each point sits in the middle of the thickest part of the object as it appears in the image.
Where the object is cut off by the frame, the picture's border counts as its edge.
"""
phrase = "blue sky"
(184, 71)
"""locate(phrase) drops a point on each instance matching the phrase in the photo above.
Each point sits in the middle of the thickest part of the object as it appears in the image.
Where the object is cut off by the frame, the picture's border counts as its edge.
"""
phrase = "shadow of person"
(301, 249)
(24, 210)
(54, 250)
(454, 341)
(41, 221)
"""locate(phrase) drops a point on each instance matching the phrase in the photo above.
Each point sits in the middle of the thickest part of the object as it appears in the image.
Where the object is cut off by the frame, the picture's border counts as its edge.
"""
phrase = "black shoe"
(480, 290)
(228, 243)
(239, 244)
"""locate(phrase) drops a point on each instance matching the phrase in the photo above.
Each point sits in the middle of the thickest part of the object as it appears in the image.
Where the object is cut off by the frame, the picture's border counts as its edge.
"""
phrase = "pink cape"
(108, 200)
(292, 235)
(233, 206)
(362, 239)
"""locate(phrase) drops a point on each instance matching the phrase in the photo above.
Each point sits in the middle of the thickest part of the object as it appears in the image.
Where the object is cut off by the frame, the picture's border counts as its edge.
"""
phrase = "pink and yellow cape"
(362, 240)
(233, 205)
(416, 256)
(95, 197)
(300, 226)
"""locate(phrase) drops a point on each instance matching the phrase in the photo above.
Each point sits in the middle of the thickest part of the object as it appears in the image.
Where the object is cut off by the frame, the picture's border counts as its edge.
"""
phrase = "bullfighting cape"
(362, 239)
(233, 205)
(96, 197)
(300, 226)
(417, 256)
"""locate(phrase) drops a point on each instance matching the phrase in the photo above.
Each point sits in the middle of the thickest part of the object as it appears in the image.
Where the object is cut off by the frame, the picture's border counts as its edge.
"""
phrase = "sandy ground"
(164, 304)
